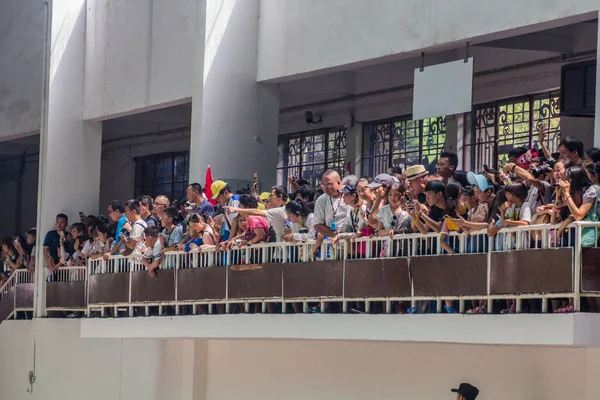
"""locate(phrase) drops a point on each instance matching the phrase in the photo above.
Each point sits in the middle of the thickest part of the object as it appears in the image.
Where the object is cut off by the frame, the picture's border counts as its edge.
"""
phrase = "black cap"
(466, 390)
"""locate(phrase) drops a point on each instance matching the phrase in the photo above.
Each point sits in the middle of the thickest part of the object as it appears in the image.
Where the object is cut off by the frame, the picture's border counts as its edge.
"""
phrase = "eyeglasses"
(394, 221)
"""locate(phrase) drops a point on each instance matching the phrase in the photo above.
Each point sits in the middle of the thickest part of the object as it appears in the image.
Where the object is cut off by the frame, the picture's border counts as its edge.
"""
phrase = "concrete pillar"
(70, 148)
(453, 132)
(354, 140)
(597, 114)
(234, 118)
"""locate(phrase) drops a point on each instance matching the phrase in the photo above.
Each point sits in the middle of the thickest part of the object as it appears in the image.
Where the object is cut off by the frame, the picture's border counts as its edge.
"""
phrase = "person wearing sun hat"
(415, 176)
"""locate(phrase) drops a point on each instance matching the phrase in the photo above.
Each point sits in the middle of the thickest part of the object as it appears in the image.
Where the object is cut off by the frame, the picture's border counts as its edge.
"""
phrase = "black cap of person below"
(466, 390)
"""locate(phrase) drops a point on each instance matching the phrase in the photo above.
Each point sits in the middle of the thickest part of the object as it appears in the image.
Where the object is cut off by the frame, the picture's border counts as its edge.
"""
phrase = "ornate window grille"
(500, 126)
(401, 142)
(162, 174)
(306, 155)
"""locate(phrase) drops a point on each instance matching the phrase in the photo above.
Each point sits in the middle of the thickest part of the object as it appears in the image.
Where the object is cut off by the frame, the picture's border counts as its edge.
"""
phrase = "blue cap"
(478, 180)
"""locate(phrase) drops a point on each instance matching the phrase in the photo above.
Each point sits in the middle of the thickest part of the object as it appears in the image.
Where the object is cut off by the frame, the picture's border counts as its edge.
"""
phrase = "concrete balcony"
(272, 290)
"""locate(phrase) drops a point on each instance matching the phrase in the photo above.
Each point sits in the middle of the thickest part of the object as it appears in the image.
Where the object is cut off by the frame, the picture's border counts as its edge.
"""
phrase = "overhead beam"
(562, 44)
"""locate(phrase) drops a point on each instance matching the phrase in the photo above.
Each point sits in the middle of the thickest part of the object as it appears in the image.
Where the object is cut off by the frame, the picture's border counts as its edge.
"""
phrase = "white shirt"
(328, 209)
(386, 216)
(277, 217)
(353, 220)
(305, 236)
(230, 216)
(137, 234)
(153, 253)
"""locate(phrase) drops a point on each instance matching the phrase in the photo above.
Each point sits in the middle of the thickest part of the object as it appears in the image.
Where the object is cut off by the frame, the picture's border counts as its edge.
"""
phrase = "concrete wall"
(69, 367)
(22, 32)
(298, 37)
(295, 370)
(139, 54)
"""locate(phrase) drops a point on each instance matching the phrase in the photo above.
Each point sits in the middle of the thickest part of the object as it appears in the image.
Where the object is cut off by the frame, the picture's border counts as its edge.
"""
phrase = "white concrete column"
(354, 147)
(453, 131)
(597, 114)
(70, 148)
(234, 118)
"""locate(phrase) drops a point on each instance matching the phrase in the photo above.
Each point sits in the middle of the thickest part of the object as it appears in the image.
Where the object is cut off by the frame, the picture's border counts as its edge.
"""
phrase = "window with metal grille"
(306, 155)
(499, 127)
(401, 142)
(162, 174)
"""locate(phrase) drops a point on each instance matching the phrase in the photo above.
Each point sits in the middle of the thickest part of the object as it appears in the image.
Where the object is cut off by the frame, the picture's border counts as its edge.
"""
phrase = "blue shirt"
(120, 224)
(197, 242)
(52, 242)
(206, 208)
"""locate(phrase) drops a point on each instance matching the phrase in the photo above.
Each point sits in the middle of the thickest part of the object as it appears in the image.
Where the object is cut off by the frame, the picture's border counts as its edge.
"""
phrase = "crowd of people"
(533, 187)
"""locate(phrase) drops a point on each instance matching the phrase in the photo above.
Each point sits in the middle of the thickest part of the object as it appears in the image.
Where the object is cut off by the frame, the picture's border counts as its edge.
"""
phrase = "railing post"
(176, 272)
(577, 269)
(490, 302)
(130, 286)
(87, 287)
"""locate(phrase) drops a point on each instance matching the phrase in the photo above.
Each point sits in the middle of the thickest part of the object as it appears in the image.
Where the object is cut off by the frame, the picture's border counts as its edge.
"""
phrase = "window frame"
(334, 153)
(472, 151)
(368, 155)
(155, 159)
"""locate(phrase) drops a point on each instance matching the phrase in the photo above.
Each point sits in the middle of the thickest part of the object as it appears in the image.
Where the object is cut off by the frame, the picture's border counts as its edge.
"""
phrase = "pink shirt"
(254, 223)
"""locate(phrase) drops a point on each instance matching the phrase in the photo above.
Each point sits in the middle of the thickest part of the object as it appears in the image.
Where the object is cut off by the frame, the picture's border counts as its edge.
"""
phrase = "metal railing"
(68, 274)
(412, 248)
(11, 301)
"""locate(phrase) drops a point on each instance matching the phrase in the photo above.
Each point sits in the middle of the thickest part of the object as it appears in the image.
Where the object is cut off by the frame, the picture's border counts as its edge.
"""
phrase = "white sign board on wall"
(443, 89)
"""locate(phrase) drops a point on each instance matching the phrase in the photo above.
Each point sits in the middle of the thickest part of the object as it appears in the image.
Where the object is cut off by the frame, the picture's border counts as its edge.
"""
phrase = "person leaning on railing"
(454, 208)
(256, 228)
(275, 212)
(152, 257)
(303, 225)
(200, 234)
(102, 243)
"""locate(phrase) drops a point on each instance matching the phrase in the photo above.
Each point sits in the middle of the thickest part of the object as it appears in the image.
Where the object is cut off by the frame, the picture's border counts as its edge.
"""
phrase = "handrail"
(9, 284)
(122, 263)
(68, 274)
(411, 247)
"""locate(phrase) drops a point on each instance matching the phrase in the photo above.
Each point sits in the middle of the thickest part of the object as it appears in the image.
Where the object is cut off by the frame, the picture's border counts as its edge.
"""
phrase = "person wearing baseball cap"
(466, 391)
(222, 192)
(382, 180)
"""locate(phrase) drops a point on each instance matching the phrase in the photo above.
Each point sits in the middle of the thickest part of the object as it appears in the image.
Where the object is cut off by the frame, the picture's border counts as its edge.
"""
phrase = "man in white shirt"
(275, 212)
(330, 210)
(134, 245)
